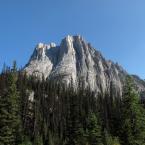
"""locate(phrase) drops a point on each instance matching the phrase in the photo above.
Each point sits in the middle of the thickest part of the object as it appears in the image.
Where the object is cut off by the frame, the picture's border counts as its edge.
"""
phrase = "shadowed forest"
(44, 112)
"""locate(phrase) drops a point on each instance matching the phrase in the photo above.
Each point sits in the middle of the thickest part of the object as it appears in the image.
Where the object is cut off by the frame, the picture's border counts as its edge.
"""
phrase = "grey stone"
(76, 60)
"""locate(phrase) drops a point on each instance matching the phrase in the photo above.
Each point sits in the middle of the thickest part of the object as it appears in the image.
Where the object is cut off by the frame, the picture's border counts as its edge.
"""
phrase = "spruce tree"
(133, 120)
(110, 140)
(94, 130)
(73, 125)
(9, 112)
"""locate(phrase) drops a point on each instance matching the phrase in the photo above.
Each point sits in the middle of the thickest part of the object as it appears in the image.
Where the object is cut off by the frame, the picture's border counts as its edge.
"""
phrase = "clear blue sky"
(115, 27)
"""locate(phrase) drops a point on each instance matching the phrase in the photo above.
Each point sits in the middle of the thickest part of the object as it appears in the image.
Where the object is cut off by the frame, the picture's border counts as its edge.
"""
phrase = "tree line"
(44, 112)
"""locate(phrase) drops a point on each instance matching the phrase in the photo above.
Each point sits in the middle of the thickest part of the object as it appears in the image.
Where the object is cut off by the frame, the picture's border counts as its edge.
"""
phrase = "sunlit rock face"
(75, 60)
(41, 61)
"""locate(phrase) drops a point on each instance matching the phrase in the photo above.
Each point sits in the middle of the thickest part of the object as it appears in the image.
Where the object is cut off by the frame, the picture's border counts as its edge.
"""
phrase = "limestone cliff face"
(76, 60)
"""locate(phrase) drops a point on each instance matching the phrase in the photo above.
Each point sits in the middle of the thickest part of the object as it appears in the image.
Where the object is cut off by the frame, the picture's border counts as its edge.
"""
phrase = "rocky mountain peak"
(75, 60)
(40, 46)
(70, 37)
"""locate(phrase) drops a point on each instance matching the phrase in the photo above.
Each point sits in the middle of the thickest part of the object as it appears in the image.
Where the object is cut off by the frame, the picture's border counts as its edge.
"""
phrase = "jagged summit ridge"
(74, 60)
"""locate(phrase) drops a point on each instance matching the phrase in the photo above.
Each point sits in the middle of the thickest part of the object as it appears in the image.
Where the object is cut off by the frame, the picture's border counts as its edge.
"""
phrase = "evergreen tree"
(73, 124)
(9, 112)
(133, 120)
(109, 140)
(53, 114)
(94, 130)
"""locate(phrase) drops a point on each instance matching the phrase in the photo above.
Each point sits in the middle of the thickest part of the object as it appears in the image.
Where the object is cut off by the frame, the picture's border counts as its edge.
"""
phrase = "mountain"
(75, 60)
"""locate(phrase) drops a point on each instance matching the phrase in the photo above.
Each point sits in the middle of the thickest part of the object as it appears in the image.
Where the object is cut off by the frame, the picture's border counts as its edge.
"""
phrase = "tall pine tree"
(94, 130)
(133, 120)
(9, 111)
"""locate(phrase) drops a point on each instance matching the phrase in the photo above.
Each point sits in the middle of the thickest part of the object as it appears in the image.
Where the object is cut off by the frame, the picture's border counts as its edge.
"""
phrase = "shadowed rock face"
(76, 60)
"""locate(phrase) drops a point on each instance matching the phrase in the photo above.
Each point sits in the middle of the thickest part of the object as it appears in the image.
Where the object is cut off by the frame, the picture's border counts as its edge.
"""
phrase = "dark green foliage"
(10, 122)
(109, 140)
(133, 118)
(45, 112)
(94, 134)
(72, 120)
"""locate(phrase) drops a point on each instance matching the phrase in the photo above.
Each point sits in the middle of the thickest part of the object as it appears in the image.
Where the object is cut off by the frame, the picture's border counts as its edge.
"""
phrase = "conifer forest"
(44, 112)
